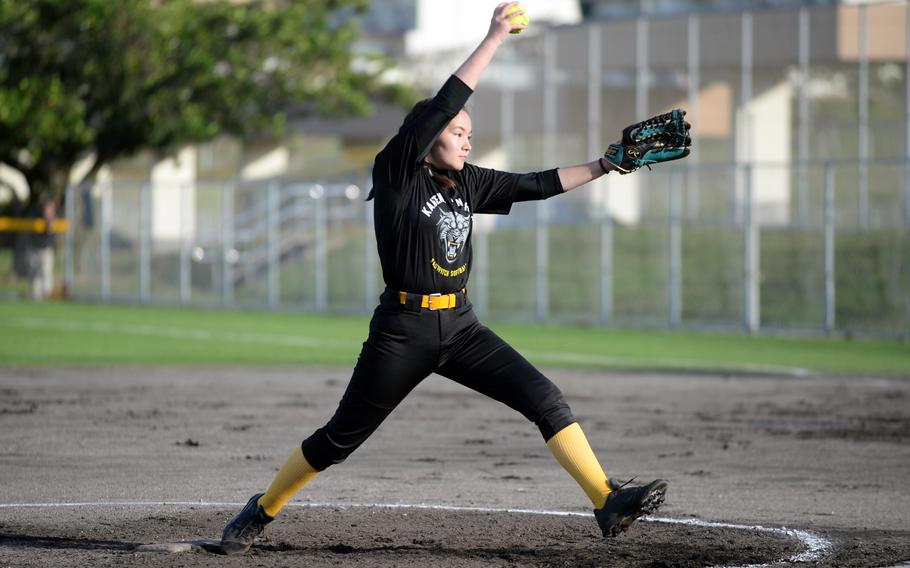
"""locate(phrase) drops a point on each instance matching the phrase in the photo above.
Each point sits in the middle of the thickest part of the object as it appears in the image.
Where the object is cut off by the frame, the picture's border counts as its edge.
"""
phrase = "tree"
(108, 79)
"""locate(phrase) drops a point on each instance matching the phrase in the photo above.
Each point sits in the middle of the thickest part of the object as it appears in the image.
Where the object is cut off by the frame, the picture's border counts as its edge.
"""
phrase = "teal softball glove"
(661, 138)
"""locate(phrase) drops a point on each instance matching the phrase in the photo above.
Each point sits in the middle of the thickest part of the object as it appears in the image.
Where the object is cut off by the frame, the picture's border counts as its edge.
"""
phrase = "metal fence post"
(68, 243)
(549, 150)
(829, 229)
(369, 258)
(751, 288)
(693, 67)
(803, 120)
(743, 132)
(642, 72)
(507, 108)
(863, 112)
(595, 84)
(675, 268)
(542, 262)
(321, 195)
(595, 147)
(507, 140)
(145, 238)
(606, 268)
(274, 244)
(107, 206)
(480, 296)
(186, 267)
(746, 63)
(229, 253)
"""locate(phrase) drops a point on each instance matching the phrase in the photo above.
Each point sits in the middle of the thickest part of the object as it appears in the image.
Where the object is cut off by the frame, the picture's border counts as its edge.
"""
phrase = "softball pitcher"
(425, 194)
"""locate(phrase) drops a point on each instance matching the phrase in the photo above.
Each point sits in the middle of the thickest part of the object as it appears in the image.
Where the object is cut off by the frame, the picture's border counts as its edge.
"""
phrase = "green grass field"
(84, 334)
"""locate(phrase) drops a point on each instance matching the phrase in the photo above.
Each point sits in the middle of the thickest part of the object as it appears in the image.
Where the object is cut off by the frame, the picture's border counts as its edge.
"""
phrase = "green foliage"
(81, 77)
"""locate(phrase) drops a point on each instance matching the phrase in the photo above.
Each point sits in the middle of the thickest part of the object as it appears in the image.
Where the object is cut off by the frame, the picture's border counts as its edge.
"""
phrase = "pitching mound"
(331, 536)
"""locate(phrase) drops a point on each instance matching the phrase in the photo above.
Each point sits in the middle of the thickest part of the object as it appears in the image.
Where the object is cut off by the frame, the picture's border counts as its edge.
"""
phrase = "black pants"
(405, 345)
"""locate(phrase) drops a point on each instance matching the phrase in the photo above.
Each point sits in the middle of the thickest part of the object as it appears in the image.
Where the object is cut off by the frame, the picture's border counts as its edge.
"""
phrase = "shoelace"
(615, 490)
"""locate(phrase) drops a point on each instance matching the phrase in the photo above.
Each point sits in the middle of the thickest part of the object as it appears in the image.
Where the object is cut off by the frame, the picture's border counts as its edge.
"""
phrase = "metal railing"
(740, 246)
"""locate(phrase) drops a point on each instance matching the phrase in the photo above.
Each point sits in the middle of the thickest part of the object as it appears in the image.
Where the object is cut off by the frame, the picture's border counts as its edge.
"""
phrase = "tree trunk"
(35, 252)
(46, 182)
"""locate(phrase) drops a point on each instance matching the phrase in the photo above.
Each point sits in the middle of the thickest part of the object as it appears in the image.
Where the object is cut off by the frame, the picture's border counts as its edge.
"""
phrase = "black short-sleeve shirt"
(423, 231)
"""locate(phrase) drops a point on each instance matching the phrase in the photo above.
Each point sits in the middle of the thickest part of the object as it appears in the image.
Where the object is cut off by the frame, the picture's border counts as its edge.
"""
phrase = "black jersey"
(423, 231)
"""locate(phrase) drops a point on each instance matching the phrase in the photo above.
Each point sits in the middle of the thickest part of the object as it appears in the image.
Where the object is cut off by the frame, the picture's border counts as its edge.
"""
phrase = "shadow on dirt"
(63, 543)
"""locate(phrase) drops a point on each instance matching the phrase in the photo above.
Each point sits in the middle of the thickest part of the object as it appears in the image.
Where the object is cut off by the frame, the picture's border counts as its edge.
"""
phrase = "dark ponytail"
(441, 180)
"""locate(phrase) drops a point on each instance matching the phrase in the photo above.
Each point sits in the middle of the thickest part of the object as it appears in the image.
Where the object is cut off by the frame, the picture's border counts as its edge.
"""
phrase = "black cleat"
(243, 529)
(625, 504)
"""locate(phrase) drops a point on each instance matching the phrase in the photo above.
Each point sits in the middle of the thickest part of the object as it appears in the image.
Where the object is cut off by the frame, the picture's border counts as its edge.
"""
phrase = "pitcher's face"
(451, 149)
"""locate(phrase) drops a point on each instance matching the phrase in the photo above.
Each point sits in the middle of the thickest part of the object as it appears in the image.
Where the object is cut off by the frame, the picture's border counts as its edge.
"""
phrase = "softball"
(521, 20)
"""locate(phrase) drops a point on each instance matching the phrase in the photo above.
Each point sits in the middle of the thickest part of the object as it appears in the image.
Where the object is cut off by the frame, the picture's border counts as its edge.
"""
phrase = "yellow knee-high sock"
(294, 474)
(571, 449)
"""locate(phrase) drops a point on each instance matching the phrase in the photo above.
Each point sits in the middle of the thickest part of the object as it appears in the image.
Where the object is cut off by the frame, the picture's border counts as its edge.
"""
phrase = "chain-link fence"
(793, 210)
(733, 260)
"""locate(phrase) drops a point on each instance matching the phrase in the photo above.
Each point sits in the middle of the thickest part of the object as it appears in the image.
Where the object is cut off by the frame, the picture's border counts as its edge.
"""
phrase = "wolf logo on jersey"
(453, 230)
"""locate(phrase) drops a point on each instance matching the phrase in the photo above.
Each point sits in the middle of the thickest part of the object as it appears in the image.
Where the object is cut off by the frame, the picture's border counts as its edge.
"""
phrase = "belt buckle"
(430, 301)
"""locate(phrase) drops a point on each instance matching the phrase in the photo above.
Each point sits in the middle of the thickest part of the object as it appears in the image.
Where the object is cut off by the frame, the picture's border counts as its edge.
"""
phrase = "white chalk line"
(816, 546)
(303, 341)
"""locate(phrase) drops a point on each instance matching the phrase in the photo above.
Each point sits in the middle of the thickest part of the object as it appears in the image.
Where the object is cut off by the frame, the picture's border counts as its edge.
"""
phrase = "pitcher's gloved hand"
(661, 138)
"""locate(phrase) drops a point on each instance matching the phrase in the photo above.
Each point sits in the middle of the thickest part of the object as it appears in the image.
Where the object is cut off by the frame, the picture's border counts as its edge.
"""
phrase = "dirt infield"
(144, 456)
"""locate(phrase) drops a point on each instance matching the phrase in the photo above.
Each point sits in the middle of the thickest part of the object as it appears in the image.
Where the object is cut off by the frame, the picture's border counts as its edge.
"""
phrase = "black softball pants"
(404, 346)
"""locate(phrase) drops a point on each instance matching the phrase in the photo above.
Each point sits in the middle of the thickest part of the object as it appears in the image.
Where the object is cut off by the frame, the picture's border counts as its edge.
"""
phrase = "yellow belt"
(433, 301)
